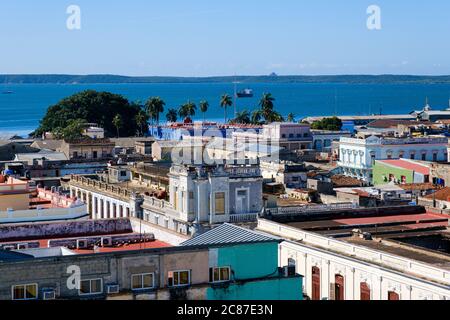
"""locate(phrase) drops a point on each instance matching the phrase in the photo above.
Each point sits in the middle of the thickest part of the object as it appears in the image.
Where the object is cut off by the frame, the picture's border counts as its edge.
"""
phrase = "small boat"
(246, 93)
(7, 92)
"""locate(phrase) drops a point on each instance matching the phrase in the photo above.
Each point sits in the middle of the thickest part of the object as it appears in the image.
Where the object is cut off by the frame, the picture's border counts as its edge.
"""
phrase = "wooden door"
(315, 283)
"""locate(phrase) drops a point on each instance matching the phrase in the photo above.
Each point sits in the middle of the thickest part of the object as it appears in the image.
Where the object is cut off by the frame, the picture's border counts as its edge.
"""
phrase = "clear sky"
(225, 37)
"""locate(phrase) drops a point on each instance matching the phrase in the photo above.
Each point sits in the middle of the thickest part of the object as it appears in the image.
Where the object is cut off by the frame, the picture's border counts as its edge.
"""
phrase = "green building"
(400, 171)
(251, 258)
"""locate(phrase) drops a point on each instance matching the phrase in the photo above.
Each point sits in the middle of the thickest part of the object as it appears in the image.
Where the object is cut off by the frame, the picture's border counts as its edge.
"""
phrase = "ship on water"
(246, 93)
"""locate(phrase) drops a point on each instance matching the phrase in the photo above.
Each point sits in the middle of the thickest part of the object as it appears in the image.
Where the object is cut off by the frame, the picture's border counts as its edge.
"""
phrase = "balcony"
(354, 165)
(246, 217)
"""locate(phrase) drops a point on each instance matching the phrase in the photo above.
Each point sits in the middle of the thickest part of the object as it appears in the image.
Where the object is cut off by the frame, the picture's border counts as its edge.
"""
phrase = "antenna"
(235, 96)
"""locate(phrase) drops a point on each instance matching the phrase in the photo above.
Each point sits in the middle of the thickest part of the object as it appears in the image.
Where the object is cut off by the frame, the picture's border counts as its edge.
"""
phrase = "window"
(424, 156)
(25, 292)
(142, 281)
(291, 135)
(221, 274)
(179, 278)
(413, 156)
(220, 202)
(94, 154)
(75, 154)
(123, 173)
(91, 286)
(435, 157)
(283, 136)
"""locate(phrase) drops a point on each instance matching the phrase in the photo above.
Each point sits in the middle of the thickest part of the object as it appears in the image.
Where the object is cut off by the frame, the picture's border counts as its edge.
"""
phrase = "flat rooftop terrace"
(119, 242)
(379, 225)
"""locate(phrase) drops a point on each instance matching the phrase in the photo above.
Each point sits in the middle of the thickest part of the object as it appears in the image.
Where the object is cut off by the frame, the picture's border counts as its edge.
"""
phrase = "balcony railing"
(246, 217)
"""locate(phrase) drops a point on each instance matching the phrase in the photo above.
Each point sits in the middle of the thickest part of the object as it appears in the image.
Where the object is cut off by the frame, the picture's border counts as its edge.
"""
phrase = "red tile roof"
(443, 195)
(408, 165)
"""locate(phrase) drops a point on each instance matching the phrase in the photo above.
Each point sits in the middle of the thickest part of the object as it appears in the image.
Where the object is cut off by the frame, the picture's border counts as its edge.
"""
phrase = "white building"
(288, 135)
(292, 175)
(357, 156)
(206, 195)
(339, 270)
(323, 139)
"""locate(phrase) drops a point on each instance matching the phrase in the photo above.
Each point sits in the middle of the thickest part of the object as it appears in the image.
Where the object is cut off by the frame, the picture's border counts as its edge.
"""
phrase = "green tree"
(256, 117)
(172, 115)
(154, 107)
(242, 117)
(330, 124)
(225, 102)
(204, 105)
(290, 117)
(141, 121)
(267, 105)
(73, 130)
(93, 107)
(117, 122)
(187, 110)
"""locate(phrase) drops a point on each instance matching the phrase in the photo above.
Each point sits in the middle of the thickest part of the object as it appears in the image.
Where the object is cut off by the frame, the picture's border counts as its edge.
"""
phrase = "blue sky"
(225, 37)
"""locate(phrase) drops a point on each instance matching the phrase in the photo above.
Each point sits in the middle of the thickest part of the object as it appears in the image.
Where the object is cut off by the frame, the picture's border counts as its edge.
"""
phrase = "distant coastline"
(111, 79)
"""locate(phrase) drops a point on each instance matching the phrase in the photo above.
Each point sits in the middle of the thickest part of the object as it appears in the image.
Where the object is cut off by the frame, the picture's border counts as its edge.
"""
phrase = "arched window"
(291, 262)
(339, 287)
(392, 295)
(364, 291)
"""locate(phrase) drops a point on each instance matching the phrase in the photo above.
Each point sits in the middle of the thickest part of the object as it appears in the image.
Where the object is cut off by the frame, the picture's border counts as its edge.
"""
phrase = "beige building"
(87, 148)
(14, 194)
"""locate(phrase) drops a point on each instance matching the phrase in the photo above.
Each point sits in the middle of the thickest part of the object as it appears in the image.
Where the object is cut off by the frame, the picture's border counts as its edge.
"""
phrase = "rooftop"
(443, 195)
(408, 165)
(229, 234)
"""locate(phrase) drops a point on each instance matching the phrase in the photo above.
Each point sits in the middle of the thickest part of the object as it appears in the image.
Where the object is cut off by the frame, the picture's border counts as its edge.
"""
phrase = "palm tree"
(267, 103)
(154, 107)
(290, 117)
(204, 108)
(225, 102)
(172, 115)
(187, 110)
(242, 117)
(141, 120)
(256, 117)
(117, 122)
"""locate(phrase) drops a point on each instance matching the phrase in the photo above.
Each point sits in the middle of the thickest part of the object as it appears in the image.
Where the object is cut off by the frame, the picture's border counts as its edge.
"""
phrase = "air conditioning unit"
(82, 244)
(112, 289)
(49, 294)
(106, 242)
(22, 246)
(289, 271)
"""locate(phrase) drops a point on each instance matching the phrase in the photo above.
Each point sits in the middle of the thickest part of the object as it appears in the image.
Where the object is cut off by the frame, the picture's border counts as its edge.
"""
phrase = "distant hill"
(105, 78)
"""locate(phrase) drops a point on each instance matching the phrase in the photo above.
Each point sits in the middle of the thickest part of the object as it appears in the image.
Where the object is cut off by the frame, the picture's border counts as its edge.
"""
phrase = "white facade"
(357, 156)
(105, 205)
(291, 136)
(207, 195)
(383, 273)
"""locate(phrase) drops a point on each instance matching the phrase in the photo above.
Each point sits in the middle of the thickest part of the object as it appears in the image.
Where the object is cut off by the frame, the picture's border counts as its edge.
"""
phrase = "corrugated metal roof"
(228, 234)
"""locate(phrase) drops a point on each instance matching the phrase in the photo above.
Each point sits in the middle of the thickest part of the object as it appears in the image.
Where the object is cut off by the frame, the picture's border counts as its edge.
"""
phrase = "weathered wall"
(68, 229)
